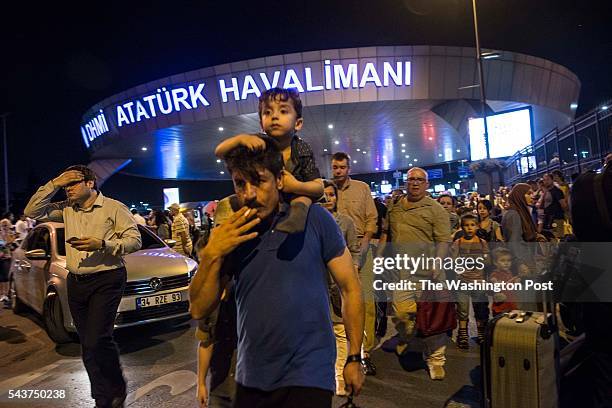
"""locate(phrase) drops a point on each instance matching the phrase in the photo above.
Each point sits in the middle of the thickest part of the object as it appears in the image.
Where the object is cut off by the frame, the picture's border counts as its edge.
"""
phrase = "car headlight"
(192, 267)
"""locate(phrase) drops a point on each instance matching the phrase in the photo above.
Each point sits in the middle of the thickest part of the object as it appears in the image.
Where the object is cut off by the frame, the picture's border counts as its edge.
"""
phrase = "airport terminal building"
(388, 107)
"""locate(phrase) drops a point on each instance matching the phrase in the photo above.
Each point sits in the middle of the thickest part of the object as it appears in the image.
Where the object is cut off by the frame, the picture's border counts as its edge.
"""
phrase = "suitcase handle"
(522, 317)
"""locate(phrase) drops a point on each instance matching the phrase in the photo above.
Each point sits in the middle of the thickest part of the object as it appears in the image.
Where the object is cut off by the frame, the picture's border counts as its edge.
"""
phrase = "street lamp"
(6, 182)
(483, 97)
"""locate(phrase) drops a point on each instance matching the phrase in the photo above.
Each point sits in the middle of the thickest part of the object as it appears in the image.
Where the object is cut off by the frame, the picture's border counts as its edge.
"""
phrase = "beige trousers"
(367, 280)
(404, 319)
(341, 354)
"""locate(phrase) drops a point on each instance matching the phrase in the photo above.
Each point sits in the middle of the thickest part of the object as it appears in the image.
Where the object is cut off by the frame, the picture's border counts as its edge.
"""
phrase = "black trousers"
(285, 397)
(93, 302)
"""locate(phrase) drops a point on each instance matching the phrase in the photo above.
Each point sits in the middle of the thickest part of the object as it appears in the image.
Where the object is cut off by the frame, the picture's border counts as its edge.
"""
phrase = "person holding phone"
(101, 231)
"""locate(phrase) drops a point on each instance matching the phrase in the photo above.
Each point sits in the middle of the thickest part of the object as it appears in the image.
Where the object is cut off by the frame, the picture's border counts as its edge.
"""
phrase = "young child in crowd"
(463, 210)
(280, 115)
(503, 301)
(469, 245)
(488, 229)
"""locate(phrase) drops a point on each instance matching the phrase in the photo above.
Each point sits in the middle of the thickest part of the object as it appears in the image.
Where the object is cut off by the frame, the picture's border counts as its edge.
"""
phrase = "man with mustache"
(286, 347)
(99, 231)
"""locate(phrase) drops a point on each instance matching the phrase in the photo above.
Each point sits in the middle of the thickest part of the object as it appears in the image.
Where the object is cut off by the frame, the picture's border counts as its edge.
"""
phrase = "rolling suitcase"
(520, 360)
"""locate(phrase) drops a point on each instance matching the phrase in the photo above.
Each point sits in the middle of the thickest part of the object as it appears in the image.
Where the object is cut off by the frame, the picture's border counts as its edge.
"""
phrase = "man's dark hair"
(88, 174)
(559, 174)
(248, 162)
(283, 95)
(467, 217)
(339, 156)
(134, 211)
(591, 206)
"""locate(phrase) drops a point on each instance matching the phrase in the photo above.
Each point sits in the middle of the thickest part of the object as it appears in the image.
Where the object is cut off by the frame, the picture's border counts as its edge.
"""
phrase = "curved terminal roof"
(388, 107)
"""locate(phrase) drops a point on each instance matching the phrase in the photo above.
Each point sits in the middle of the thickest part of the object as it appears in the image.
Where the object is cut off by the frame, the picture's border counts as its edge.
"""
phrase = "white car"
(157, 281)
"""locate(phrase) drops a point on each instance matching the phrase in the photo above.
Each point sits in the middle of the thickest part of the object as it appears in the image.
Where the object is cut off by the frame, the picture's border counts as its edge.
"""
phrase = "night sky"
(58, 61)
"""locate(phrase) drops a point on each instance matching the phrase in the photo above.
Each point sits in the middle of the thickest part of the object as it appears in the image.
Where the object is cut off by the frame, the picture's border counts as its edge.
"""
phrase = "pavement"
(159, 362)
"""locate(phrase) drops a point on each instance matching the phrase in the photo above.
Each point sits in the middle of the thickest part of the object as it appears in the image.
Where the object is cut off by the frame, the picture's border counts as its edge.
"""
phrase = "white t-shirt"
(21, 228)
(31, 222)
(140, 219)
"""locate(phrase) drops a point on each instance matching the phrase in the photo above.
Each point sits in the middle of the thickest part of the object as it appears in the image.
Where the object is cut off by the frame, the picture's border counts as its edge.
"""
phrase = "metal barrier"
(579, 147)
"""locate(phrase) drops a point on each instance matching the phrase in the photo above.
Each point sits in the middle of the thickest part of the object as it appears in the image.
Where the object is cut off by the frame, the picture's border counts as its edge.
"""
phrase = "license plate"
(158, 300)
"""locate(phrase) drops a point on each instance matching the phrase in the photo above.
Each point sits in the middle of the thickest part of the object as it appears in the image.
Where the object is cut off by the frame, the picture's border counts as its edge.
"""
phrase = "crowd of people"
(177, 226)
(285, 278)
(505, 227)
(10, 237)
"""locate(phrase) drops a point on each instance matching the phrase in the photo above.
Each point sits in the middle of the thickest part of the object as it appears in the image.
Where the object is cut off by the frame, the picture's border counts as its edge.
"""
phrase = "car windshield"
(149, 240)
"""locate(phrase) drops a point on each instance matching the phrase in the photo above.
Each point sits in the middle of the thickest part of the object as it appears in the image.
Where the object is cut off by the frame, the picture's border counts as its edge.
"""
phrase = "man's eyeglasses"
(416, 180)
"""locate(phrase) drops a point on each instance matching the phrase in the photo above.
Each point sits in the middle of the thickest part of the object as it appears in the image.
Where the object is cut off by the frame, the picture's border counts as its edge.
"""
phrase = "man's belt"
(81, 277)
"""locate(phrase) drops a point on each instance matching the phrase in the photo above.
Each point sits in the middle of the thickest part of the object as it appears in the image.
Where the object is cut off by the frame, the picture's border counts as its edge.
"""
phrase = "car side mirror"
(170, 242)
(37, 255)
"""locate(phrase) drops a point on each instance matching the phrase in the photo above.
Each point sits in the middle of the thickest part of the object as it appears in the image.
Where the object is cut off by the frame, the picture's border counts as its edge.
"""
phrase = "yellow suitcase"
(520, 361)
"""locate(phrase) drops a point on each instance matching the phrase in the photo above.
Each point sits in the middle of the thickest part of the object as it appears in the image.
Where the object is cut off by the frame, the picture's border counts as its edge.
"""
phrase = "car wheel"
(16, 304)
(54, 319)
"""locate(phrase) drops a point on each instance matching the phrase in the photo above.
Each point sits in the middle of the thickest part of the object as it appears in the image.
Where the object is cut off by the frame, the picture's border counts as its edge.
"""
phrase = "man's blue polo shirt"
(285, 333)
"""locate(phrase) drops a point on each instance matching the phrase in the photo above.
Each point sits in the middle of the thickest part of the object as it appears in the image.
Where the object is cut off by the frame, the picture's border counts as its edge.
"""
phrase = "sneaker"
(341, 393)
(437, 372)
(116, 402)
(463, 340)
(4, 299)
(368, 366)
(391, 344)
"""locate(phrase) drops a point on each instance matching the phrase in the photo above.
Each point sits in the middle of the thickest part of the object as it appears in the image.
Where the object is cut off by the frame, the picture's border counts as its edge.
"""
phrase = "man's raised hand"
(229, 235)
(67, 177)
(252, 142)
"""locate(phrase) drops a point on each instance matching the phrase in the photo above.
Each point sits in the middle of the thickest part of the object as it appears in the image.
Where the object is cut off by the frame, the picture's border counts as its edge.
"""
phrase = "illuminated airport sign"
(170, 99)
(335, 77)
(94, 128)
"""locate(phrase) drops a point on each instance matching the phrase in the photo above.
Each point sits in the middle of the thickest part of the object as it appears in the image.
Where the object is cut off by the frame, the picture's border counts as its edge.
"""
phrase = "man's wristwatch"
(353, 358)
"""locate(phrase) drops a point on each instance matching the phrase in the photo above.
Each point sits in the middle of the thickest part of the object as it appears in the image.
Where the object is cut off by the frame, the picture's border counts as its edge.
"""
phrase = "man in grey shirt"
(100, 231)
